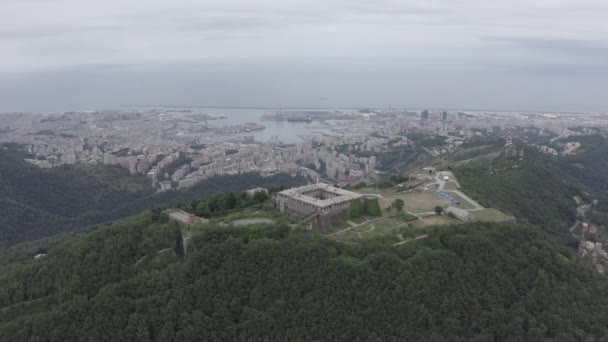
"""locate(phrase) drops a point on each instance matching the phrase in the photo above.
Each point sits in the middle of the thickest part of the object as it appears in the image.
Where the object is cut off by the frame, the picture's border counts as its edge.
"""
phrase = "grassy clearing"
(434, 220)
(450, 185)
(389, 229)
(388, 226)
(489, 214)
(415, 202)
(411, 232)
(383, 192)
(420, 202)
(403, 217)
(338, 227)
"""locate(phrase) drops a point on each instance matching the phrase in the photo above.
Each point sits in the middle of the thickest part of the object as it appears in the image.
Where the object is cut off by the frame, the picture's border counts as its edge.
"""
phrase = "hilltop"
(267, 281)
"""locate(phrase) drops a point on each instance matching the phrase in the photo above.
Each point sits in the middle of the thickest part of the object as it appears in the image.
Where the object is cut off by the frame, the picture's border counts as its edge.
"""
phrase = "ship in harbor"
(296, 119)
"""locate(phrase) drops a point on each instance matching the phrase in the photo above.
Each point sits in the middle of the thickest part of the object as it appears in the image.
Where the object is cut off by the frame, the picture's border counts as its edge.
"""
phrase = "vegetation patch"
(403, 217)
(489, 215)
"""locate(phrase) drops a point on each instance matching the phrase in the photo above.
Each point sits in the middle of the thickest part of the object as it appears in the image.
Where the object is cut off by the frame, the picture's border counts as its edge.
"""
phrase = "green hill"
(38, 203)
(475, 282)
(589, 164)
(530, 189)
(541, 187)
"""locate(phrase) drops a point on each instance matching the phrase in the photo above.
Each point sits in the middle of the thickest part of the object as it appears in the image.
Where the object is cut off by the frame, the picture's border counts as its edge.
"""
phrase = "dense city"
(179, 148)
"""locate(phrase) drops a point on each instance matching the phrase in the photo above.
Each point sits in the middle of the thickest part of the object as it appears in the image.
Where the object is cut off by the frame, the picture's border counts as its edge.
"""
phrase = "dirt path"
(416, 238)
(248, 221)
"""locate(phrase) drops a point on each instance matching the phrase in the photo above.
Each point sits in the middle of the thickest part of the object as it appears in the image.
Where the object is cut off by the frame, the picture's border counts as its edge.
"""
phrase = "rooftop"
(342, 195)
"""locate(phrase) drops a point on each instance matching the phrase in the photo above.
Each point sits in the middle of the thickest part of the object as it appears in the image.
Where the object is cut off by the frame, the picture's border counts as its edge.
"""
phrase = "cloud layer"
(541, 54)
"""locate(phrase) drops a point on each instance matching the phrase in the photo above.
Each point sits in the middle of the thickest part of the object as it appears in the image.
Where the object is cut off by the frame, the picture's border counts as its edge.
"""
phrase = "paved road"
(574, 236)
(441, 182)
(468, 199)
(574, 226)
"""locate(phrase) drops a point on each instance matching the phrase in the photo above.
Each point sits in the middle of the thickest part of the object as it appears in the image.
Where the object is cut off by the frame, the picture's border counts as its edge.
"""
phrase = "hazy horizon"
(413, 54)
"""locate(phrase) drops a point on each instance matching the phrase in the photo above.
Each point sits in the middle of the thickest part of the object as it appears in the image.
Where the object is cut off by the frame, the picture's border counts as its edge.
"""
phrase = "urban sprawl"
(179, 148)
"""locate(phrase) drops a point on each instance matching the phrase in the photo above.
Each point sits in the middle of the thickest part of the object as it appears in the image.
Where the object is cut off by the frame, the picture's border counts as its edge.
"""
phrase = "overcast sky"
(492, 54)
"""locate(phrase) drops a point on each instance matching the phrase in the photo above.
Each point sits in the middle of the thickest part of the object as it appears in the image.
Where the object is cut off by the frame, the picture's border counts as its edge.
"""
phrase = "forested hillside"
(37, 203)
(529, 189)
(540, 188)
(69, 190)
(589, 164)
(472, 282)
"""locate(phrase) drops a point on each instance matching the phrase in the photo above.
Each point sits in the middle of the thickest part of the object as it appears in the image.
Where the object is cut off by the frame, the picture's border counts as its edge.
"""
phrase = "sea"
(288, 132)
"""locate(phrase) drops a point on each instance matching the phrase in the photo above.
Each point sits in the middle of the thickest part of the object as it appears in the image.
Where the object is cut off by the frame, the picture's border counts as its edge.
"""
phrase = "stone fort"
(321, 204)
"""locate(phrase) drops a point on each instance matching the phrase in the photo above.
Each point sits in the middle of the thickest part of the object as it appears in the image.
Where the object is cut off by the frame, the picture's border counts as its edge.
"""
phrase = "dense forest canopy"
(529, 191)
(589, 164)
(473, 282)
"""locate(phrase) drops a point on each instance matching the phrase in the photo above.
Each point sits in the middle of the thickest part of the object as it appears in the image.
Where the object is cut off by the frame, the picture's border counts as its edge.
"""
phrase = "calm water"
(287, 131)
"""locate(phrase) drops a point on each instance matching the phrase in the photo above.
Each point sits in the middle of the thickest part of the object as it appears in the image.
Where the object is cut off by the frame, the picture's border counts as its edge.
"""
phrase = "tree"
(137, 329)
(231, 200)
(179, 247)
(260, 196)
(202, 209)
(398, 204)
(438, 210)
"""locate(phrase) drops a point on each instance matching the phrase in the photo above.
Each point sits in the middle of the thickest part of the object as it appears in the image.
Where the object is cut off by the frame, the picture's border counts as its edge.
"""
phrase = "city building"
(165, 185)
(424, 117)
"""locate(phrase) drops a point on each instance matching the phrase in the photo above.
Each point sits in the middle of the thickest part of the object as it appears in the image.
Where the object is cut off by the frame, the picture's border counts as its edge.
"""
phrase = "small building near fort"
(460, 214)
(321, 204)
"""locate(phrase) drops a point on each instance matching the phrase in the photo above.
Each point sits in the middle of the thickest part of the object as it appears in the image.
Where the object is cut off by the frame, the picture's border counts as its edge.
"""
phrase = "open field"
(434, 220)
(450, 185)
(387, 228)
(383, 192)
(488, 215)
(391, 228)
(416, 202)
(420, 202)
(338, 227)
